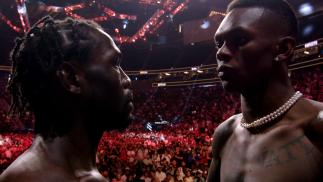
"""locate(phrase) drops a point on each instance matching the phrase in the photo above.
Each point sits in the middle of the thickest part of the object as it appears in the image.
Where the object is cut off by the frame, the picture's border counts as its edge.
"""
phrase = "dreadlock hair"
(36, 57)
(280, 7)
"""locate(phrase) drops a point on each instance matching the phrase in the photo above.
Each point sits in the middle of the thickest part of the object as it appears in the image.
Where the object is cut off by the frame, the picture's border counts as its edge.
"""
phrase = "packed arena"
(161, 90)
(180, 150)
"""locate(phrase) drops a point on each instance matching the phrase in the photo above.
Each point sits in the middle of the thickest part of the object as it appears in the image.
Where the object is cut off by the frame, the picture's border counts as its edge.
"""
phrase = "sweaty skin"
(290, 148)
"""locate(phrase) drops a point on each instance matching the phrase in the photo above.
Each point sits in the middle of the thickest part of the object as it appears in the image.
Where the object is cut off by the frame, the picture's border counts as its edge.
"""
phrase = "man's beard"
(121, 120)
(106, 118)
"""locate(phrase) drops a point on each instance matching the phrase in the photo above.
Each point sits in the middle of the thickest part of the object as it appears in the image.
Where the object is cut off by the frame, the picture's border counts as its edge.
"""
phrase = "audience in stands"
(178, 150)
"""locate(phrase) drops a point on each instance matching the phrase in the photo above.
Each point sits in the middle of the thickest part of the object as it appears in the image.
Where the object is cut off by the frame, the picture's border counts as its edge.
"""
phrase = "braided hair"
(38, 55)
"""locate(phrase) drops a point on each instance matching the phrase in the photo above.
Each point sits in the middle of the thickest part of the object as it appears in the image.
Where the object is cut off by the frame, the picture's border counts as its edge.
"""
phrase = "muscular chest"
(279, 155)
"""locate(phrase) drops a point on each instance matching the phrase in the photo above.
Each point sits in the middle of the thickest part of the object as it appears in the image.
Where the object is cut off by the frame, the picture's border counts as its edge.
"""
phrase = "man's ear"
(285, 49)
(69, 77)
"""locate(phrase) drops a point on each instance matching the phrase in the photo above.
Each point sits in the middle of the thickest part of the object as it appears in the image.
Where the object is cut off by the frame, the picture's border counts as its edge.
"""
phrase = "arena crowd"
(178, 150)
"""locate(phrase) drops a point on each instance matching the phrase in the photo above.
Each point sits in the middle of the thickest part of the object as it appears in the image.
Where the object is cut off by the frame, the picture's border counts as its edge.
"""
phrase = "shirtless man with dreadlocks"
(67, 72)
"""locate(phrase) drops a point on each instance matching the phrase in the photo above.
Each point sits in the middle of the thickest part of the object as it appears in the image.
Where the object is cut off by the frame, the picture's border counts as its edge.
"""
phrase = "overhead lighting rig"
(166, 8)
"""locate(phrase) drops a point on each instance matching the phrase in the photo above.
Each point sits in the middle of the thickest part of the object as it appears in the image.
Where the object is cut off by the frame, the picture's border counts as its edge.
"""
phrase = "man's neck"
(75, 151)
(262, 102)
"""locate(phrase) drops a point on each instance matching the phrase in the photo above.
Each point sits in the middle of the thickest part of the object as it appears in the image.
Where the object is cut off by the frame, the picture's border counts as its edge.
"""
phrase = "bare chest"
(282, 155)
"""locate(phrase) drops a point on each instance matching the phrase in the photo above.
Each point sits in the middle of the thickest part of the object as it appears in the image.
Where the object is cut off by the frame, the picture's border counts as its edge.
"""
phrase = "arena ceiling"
(133, 23)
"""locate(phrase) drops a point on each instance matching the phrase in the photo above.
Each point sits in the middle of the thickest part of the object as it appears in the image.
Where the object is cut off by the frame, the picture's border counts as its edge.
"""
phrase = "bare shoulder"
(8, 176)
(94, 179)
(308, 113)
(316, 114)
(22, 168)
(314, 126)
(316, 103)
(16, 175)
(223, 132)
(18, 170)
(31, 166)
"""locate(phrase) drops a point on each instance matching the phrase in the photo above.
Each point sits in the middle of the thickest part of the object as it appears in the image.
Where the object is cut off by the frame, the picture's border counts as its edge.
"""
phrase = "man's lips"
(223, 67)
(224, 72)
(130, 107)
(129, 95)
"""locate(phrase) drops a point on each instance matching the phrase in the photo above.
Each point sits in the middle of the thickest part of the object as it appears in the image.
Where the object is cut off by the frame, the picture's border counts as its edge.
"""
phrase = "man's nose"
(125, 80)
(224, 54)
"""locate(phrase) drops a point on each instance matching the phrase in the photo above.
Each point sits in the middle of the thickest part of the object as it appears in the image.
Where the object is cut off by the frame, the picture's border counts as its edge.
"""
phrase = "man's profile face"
(107, 87)
(245, 48)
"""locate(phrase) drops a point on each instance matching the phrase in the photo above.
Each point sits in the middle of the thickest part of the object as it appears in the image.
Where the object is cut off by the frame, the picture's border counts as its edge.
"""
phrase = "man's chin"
(226, 86)
(124, 122)
(229, 87)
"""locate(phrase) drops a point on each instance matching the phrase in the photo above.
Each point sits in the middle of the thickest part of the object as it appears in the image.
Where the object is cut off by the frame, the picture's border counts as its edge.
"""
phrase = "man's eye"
(219, 44)
(241, 41)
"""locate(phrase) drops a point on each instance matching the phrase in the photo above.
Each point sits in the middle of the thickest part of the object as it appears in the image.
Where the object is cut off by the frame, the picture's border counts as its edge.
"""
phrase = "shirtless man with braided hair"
(67, 72)
(278, 137)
